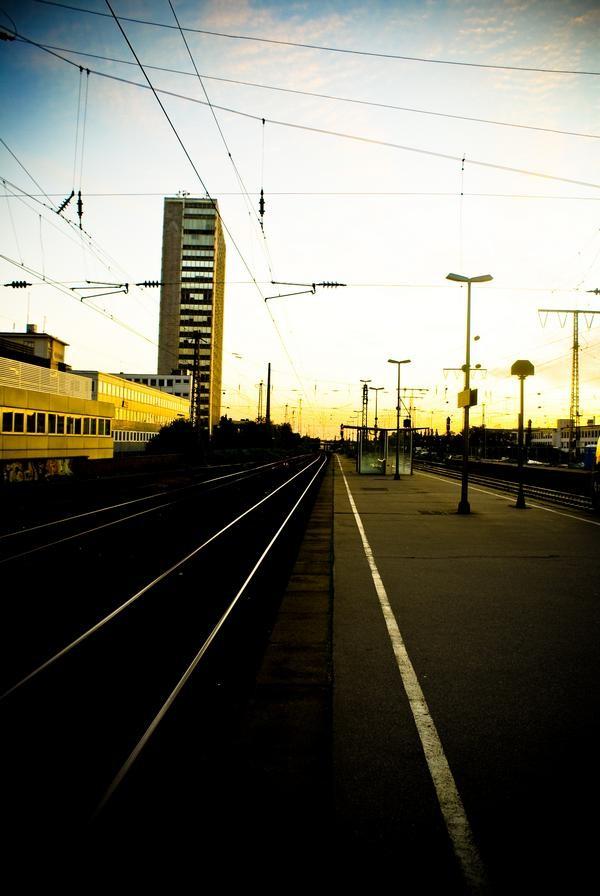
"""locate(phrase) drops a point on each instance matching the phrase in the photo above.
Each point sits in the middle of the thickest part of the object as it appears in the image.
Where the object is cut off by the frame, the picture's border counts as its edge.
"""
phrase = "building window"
(60, 424)
(7, 421)
(77, 426)
(30, 422)
(40, 422)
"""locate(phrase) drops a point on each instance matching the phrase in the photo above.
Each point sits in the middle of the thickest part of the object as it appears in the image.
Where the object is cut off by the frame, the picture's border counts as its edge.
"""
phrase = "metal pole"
(464, 506)
(521, 496)
(397, 473)
(268, 417)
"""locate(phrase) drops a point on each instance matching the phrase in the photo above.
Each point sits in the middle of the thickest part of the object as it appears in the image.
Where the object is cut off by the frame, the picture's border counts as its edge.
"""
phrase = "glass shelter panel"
(372, 451)
(404, 453)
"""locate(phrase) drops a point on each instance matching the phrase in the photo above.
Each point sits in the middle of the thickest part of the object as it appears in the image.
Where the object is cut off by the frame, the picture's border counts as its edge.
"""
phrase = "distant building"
(50, 415)
(175, 384)
(192, 298)
(558, 438)
(140, 411)
(48, 418)
(34, 348)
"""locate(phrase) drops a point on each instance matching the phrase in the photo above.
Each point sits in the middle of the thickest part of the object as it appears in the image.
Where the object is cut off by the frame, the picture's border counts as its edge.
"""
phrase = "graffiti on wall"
(32, 470)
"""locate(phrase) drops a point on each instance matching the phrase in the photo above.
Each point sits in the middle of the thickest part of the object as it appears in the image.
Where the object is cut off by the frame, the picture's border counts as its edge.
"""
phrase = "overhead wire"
(236, 170)
(254, 281)
(324, 131)
(246, 196)
(56, 284)
(30, 176)
(12, 222)
(306, 46)
(326, 96)
(92, 245)
(181, 143)
(348, 193)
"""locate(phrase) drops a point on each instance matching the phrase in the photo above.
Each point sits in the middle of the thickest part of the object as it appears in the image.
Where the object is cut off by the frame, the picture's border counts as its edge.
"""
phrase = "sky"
(487, 164)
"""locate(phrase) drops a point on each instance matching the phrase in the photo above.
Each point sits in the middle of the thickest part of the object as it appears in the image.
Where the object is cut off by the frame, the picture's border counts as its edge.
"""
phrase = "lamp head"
(522, 368)
(459, 278)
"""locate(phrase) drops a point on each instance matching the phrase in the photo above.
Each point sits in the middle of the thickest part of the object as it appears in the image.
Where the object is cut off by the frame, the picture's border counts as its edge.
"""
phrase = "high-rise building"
(192, 298)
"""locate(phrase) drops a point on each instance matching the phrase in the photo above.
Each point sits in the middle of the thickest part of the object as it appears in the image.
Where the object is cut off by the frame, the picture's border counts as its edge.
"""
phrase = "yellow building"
(140, 411)
(47, 418)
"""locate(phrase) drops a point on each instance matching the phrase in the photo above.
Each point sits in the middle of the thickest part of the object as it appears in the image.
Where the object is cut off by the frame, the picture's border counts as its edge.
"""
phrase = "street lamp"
(521, 369)
(376, 389)
(463, 506)
(398, 363)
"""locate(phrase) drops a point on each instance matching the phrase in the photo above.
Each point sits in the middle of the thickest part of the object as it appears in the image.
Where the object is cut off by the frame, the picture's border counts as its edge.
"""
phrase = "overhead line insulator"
(18, 284)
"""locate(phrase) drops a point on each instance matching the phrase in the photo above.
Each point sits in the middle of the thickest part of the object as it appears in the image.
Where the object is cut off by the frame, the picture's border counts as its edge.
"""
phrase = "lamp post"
(398, 363)
(376, 389)
(463, 506)
(522, 369)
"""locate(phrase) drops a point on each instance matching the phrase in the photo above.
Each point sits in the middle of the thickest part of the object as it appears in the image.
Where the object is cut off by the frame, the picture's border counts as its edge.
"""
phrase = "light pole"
(376, 389)
(398, 363)
(521, 369)
(463, 506)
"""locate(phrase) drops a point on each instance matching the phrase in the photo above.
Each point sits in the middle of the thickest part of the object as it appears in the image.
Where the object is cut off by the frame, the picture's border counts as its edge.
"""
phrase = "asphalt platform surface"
(427, 707)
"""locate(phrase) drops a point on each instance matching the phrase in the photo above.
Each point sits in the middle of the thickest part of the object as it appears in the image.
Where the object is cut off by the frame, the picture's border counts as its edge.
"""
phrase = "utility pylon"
(574, 396)
(412, 391)
(259, 415)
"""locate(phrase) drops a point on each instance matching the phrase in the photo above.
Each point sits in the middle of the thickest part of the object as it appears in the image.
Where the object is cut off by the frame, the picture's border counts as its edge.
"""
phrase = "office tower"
(192, 297)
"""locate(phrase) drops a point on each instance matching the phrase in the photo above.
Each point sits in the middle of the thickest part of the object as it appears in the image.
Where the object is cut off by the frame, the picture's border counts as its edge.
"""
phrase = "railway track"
(101, 661)
(549, 496)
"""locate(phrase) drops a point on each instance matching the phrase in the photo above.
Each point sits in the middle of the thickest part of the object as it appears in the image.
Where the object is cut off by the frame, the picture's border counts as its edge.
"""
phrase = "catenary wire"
(180, 141)
(80, 301)
(342, 193)
(289, 43)
(315, 130)
(325, 96)
(240, 181)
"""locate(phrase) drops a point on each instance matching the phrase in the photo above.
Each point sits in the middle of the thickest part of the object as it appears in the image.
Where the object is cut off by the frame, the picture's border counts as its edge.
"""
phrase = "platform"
(432, 705)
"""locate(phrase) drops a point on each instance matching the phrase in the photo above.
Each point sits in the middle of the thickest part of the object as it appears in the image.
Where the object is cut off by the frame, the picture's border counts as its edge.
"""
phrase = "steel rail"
(242, 477)
(117, 780)
(127, 603)
(162, 494)
(552, 496)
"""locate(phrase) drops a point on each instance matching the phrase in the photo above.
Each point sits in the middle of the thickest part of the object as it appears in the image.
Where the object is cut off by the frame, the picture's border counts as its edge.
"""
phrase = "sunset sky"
(390, 221)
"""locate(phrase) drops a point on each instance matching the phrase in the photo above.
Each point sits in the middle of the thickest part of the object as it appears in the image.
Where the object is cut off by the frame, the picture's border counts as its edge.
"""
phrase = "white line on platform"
(473, 488)
(449, 799)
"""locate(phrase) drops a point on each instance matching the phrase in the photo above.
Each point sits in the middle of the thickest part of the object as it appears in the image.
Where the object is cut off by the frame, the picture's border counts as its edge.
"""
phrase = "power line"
(56, 284)
(101, 255)
(340, 193)
(245, 193)
(326, 132)
(326, 96)
(305, 46)
(181, 143)
(30, 176)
